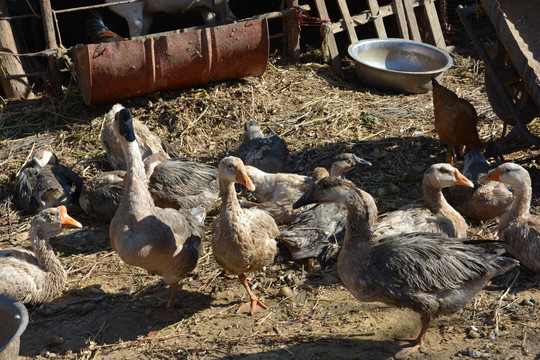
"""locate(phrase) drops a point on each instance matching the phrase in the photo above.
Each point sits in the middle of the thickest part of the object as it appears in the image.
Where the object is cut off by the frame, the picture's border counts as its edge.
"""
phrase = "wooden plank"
(11, 65)
(377, 19)
(401, 19)
(435, 25)
(53, 70)
(361, 19)
(411, 18)
(348, 21)
(329, 38)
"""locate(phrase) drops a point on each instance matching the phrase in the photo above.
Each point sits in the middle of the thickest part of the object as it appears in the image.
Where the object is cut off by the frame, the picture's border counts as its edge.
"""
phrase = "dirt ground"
(105, 311)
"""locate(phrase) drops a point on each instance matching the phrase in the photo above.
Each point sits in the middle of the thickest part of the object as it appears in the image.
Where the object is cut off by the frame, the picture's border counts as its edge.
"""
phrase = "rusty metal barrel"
(118, 70)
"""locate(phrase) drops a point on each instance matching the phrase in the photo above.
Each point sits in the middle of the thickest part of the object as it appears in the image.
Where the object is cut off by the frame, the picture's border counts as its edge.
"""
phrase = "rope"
(302, 16)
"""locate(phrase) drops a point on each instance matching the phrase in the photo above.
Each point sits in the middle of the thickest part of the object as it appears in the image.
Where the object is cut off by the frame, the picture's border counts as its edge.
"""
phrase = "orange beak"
(492, 175)
(243, 178)
(461, 179)
(67, 221)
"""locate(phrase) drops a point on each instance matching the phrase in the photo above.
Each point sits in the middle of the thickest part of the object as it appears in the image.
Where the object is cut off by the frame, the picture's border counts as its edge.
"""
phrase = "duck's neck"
(227, 192)
(520, 206)
(55, 275)
(437, 204)
(360, 217)
(135, 180)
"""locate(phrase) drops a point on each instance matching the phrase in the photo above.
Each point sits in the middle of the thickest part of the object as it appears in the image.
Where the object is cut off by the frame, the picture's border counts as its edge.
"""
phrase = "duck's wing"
(69, 180)
(25, 188)
(316, 231)
(101, 195)
(426, 262)
(408, 219)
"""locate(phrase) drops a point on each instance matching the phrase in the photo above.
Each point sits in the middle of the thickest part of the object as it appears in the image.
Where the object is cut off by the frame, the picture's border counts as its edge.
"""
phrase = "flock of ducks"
(414, 257)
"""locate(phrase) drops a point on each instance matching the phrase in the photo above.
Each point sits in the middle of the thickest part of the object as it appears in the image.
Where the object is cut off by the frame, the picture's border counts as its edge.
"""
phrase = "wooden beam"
(435, 25)
(328, 38)
(377, 19)
(411, 18)
(291, 27)
(401, 18)
(11, 65)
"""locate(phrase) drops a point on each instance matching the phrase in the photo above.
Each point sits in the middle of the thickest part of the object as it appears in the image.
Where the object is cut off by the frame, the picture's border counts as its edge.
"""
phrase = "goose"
(43, 182)
(37, 276)
(166, 242)
(486, 201)
(436, 215)
(269, 154)
(430, 273)
(182, 183)
(101, 194)
(518, 228)
(243, 240)
(149, 143)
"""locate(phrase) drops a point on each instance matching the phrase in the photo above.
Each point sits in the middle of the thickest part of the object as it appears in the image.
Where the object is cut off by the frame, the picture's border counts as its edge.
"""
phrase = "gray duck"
(269, 154)
(166, 242)
(43, 182)
(430, 273)
(180, 183)
(318, 231)
(487, 200)
(436, 214)
(518, 228)
(101, 194)
(37, 276)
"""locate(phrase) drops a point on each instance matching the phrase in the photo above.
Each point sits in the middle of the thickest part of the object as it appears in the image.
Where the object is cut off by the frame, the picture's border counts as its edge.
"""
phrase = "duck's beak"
(243, 178)
(492, 175)
(359, 161)
(68, 221)
(460, 179)
(306, 199)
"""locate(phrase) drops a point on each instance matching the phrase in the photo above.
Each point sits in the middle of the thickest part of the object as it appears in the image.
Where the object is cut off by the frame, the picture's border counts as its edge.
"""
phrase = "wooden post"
(50, 37)
(290, 27)
(11, 65)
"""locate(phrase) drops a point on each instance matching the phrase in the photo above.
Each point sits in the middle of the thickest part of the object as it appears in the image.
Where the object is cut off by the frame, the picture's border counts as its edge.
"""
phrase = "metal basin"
(399, 65)
(13, 320)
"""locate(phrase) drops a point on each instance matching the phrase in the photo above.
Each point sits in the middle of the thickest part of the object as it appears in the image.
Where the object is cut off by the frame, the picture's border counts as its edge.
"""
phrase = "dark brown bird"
(455, 120)
(432, 274)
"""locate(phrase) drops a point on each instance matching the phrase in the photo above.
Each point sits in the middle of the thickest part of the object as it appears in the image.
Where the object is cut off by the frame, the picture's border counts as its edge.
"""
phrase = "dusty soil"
(105, 311)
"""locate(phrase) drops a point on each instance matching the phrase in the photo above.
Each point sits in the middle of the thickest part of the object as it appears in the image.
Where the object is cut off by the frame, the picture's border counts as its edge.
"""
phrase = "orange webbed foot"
(252, 307)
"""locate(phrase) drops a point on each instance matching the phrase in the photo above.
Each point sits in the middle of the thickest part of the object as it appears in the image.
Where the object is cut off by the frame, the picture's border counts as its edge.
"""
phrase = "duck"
(181, 183)
(43, 182)
(430, 273)
(101, 195)
(518, 228)
(484, 202)
(166, 242)
(269, 154)
(318, 231)
(436, 214)
(243, 240)
(455, 120)
(37, 276)
(149, 143)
